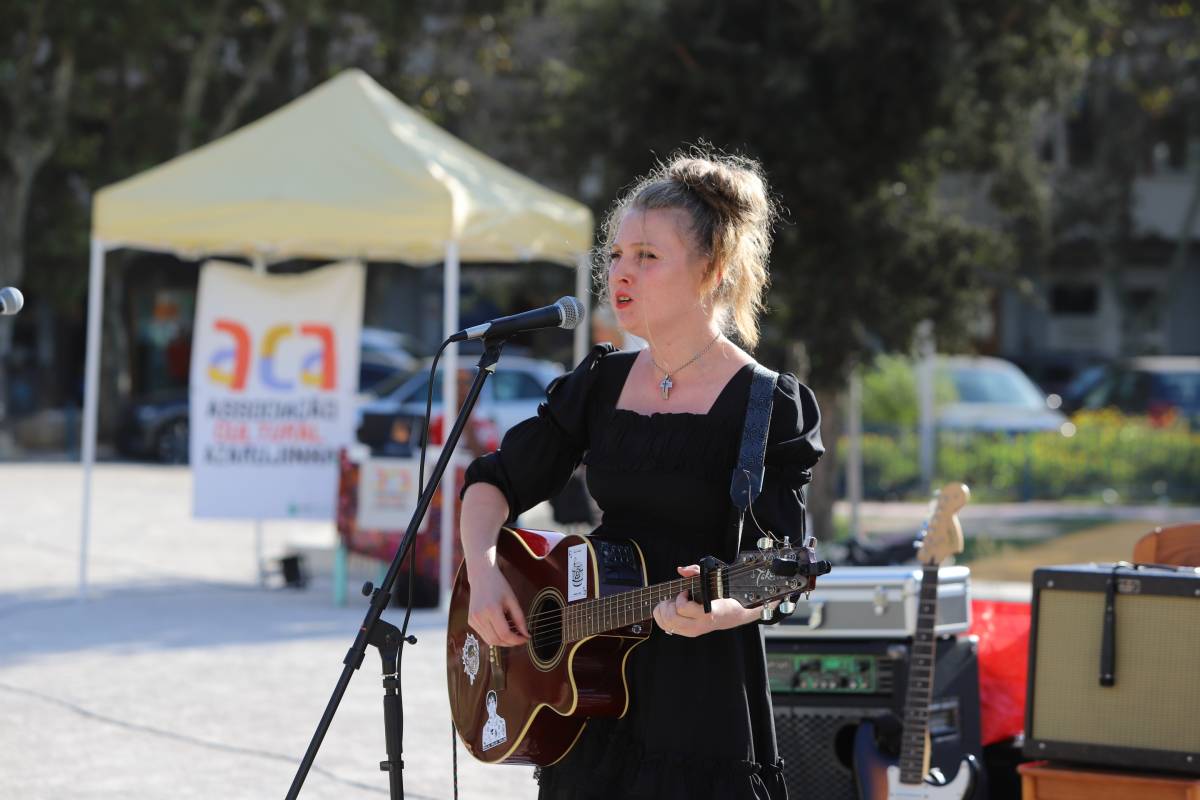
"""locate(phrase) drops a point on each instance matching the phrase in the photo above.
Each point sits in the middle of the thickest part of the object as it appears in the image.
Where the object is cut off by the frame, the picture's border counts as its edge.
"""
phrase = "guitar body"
(528, 704)
(878, 776)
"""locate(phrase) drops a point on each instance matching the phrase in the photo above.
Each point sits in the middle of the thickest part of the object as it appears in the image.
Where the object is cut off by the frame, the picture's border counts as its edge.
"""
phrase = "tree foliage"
(1137, 115)
(857, 109)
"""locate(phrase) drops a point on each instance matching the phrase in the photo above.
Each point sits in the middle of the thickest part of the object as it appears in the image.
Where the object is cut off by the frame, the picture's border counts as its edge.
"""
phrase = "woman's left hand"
(685, 617)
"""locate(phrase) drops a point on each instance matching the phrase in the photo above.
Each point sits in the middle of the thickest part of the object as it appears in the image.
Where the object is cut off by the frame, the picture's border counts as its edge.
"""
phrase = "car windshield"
(977, 384)
(1180, 389)
(390, 384)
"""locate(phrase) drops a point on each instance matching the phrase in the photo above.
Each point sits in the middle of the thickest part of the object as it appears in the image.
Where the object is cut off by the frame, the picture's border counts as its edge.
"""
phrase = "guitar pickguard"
(878, 777)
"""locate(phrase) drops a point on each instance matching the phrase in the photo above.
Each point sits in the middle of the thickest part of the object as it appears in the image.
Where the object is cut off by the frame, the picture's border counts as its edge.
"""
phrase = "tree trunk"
(117, 353)
(15, 187)
(25, 150)
(258, 72)
(199, 70)
(823, 491)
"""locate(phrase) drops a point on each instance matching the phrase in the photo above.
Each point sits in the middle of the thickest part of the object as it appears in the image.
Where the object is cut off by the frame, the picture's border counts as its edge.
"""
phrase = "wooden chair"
(1178, 545)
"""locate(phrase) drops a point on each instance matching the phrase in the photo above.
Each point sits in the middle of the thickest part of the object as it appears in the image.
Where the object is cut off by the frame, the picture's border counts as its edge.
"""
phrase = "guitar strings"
(579, 611)
(552, 621)
(670, 586)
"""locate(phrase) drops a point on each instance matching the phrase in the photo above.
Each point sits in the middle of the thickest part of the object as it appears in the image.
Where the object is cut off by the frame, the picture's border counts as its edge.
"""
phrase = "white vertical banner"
(274, 378)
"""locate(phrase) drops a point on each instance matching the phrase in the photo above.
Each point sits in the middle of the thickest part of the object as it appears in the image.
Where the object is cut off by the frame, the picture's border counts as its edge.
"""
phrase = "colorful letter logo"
(239, 354)
(230, 365)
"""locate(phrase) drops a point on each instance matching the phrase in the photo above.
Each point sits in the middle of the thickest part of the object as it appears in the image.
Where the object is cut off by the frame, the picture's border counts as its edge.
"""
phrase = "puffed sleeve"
(537, 456)
(793, 448)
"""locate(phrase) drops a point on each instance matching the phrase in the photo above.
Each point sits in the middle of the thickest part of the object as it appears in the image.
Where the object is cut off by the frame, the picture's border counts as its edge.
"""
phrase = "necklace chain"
(666, 383)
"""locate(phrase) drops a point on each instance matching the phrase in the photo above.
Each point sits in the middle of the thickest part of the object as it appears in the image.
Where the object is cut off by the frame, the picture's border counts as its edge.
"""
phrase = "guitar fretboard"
(597, 616)
(920, 682)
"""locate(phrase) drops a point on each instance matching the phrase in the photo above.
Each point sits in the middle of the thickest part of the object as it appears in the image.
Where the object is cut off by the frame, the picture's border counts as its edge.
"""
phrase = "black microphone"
(11, 300)
(566, 313)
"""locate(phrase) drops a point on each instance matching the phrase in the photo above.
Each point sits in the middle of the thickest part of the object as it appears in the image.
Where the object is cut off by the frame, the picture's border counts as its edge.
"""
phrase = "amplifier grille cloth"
(1156, 700)
(807, 741)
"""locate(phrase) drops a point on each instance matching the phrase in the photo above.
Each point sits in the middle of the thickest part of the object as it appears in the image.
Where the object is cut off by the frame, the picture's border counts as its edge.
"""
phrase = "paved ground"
(178, 676)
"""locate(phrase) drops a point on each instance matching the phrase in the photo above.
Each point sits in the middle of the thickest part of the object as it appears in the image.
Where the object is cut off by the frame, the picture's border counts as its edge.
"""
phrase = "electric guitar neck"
(910, 777)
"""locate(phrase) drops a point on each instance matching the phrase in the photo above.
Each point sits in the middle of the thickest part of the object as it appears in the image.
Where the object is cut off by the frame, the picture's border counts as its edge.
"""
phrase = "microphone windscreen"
(572, 311)
(11, 300)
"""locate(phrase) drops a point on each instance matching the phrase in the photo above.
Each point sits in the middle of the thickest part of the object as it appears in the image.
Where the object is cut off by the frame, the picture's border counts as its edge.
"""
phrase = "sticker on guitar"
(470, 657)
(577, 572)
(495, 731)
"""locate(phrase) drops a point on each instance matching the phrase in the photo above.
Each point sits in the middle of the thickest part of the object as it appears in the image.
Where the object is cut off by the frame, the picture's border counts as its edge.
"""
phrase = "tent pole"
(91, 398)
(583, 291)
(449, 406)
(259, 265)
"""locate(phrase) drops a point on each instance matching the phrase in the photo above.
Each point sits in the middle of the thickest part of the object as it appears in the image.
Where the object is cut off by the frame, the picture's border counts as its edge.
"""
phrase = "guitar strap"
(747, 480)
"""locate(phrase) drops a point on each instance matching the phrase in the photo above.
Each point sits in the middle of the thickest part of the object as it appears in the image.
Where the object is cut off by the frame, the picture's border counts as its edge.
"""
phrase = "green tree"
(91, 93)
(857, 108)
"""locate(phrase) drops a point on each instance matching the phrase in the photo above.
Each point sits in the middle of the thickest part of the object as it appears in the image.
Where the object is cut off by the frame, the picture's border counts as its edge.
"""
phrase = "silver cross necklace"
(666, 384)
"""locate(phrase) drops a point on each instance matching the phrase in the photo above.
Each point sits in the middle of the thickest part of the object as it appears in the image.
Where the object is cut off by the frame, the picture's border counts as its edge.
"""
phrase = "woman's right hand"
(494, 612)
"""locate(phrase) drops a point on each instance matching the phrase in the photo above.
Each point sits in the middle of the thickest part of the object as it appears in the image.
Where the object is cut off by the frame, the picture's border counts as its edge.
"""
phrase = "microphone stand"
(383, 635)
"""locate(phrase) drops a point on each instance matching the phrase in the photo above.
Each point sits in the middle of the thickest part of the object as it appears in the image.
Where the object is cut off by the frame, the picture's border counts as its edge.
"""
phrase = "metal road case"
(877, 603)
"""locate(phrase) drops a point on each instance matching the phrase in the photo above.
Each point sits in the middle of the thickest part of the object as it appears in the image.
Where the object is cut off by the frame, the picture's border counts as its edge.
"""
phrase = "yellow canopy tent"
(345, 171)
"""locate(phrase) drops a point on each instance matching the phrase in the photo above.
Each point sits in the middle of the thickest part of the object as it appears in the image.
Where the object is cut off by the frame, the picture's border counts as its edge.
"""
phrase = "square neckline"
(716, 400)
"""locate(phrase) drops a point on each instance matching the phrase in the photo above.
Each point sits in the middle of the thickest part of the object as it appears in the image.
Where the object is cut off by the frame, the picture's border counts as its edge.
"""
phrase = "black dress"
(699, 723)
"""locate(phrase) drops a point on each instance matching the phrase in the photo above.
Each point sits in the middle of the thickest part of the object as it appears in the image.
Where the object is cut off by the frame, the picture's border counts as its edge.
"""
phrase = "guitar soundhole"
(546, 629)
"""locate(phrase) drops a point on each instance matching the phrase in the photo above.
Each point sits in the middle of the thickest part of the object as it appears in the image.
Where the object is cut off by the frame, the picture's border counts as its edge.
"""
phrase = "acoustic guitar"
(587, 605)
(877, 776)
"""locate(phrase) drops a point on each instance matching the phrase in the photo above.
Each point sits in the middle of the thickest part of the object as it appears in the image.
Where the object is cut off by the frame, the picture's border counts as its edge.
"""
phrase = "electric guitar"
(587, 605)
(881, 778)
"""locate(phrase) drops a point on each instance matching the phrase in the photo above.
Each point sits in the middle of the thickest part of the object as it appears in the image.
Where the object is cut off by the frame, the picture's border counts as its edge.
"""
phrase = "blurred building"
(1117, 282)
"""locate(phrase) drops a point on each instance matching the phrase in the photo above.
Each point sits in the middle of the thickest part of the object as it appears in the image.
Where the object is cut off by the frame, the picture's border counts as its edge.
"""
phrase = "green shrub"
(889, 394)
(1108, 453)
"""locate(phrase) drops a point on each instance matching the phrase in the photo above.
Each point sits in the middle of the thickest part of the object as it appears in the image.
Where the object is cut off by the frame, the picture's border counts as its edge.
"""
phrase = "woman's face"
(655, 273)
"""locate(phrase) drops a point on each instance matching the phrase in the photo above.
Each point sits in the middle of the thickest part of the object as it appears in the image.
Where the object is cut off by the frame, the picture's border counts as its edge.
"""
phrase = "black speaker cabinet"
(823, 688)
(1140, 706)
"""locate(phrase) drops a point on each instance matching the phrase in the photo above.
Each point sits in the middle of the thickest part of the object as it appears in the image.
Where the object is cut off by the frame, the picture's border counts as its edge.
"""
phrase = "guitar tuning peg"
(767, 614)
(765, 543)
(787, 541)
(812, 543)
(786, 606)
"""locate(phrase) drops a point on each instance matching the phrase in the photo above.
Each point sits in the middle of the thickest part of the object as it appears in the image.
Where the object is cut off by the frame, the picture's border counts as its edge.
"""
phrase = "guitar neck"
(604, 614)
(920, 682)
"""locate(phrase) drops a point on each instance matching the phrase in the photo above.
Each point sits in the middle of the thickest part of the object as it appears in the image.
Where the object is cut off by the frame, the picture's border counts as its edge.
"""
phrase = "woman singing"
(659, 430)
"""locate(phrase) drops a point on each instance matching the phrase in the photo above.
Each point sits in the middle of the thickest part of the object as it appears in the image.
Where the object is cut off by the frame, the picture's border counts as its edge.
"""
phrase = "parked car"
(511, 395)
(1057, 373)
(384, 355)
(155, 426)
(992, 395)
(1162, 388)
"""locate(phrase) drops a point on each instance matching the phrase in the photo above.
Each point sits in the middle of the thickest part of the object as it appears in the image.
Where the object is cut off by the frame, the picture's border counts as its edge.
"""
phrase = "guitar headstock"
(770, 573)
(943, 533)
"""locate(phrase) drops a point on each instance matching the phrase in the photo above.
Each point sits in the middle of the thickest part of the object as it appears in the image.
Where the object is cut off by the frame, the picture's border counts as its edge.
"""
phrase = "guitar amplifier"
(1119, 688)
(876, 603)
(822, 689)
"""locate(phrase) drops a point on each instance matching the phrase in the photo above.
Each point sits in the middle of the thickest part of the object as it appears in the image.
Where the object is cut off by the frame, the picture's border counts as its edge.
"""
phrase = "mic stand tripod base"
(383, 635)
